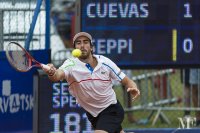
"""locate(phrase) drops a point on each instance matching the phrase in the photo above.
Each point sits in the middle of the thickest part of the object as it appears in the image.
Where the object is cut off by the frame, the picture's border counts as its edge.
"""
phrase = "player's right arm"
(55, 74)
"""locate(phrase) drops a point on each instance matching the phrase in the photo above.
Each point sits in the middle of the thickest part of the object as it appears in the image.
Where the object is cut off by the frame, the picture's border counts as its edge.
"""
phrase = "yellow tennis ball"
(76, 52)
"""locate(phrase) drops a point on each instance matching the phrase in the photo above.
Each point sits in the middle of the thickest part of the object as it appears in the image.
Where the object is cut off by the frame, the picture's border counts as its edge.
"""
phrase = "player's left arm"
(131, 87)
(116, 74)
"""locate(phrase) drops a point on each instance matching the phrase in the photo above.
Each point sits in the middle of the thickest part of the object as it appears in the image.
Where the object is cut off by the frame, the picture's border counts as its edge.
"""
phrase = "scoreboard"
(144, 33)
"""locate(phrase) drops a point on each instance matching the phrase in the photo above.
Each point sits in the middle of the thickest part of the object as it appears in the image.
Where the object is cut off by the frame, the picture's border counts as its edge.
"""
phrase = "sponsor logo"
(187, 122)
(103, 72)
(14, 102)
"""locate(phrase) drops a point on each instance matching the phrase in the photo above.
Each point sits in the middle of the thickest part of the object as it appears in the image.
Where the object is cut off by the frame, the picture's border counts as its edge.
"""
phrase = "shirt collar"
(99, 62)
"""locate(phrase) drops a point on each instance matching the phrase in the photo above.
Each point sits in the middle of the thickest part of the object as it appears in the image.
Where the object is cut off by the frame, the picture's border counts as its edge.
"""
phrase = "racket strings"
(18, 57)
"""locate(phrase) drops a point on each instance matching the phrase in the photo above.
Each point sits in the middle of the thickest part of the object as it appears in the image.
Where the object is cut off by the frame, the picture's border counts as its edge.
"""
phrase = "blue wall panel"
(16, 94)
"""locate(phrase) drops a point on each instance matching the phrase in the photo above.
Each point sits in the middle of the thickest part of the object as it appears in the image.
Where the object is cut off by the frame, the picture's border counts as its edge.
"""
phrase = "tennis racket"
(20, 59)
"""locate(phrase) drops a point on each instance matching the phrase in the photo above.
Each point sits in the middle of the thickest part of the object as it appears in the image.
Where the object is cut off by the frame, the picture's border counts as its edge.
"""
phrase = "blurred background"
(155, 42)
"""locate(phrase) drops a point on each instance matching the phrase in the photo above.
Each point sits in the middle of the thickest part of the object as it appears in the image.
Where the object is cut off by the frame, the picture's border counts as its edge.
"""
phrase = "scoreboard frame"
(143, 34)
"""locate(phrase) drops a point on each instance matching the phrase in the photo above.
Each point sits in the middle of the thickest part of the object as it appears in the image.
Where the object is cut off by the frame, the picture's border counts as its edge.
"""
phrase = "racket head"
(18, 57)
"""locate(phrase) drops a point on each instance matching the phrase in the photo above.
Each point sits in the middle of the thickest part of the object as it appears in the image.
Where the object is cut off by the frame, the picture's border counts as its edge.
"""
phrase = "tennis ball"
(76, 52)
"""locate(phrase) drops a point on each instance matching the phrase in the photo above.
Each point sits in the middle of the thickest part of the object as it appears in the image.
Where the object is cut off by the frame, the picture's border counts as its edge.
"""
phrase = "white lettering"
(113, 10)
(122, 45)
(101, 12)
(61, 96)
(16, 102)
(109, 46)
(89, 10)
(186, 122)
(56, 103)
(73, 102)
(1, 105)
(13, 103)
(133, 11)
(112, 44)
(130, 50)
(144, 11)
(123, 10)
(101, 47)
(117, 10)
(64, 100)
(64, 89)
(56, 89)
(5, 103)
(22, 97)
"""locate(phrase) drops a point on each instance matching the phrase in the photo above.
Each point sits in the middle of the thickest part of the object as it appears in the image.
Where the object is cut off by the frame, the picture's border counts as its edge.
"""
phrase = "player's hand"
(135, 92)
(51, 71)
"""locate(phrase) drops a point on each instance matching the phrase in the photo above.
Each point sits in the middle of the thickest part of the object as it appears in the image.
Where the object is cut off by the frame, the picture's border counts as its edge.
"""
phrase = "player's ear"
(92, 48)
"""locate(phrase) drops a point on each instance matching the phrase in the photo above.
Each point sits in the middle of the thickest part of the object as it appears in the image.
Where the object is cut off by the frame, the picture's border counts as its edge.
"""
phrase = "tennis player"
(90, 79)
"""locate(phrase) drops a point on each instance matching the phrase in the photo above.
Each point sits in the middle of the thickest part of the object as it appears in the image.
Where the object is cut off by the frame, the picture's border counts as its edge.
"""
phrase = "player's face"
(83, 43)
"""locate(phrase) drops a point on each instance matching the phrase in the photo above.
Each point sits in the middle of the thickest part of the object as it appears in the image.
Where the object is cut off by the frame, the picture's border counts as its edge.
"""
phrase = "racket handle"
(45, 67)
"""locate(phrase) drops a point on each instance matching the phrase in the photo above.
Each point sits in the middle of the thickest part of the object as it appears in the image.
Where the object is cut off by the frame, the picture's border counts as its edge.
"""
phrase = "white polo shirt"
(92, 88)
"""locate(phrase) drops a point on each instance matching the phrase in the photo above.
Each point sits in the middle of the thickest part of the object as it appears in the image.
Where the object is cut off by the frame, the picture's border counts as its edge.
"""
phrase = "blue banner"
(144, 34)
(16, 95)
